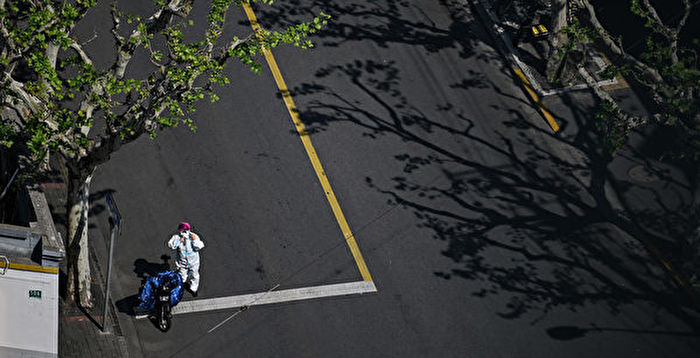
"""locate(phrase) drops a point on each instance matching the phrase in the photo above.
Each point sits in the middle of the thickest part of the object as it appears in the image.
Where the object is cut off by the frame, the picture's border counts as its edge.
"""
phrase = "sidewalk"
(79, 330)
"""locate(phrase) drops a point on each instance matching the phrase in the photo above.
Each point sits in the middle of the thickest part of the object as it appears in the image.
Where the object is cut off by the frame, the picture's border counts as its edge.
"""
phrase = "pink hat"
(183, 226)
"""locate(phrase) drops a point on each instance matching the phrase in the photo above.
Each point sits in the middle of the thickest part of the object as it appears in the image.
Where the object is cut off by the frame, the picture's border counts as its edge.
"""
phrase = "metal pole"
(8, 183)
(109, 275)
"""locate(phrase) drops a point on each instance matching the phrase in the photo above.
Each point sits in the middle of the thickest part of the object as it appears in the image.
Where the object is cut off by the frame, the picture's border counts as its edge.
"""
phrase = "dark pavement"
(486, 235)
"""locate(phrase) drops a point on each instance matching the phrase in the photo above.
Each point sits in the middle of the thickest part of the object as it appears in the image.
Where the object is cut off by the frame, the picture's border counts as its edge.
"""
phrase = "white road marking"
(268, 297)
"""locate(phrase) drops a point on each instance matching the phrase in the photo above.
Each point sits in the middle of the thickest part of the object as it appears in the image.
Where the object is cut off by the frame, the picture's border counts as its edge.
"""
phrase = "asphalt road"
(482, 231)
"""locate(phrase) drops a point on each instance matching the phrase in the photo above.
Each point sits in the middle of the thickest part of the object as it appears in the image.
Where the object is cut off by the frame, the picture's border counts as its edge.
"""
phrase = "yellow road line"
(35, 268)
(311, 152)
(669, 270)
(528, 87)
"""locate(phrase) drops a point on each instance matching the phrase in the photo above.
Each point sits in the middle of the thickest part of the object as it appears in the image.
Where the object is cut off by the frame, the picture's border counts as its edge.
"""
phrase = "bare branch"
(665, 30)
(6, 35)
(225, 53)
(79, 50)
(157, 22)
(676, 32)
(670, 34)
(22, 111)
(33, 103)
(688, 8)
(116, 22)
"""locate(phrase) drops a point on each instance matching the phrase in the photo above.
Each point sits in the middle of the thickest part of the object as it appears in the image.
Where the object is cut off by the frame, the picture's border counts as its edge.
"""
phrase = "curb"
(128, 340)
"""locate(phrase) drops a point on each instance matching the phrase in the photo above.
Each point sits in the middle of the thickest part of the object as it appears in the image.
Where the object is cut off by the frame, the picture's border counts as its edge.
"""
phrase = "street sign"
(114, 211)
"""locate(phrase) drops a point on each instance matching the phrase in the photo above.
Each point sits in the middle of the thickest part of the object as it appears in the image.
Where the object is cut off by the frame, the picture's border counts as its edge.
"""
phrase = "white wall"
(29, 324)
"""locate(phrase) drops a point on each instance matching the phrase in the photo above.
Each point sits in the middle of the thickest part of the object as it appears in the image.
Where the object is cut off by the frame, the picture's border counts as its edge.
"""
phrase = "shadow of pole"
(567, 333)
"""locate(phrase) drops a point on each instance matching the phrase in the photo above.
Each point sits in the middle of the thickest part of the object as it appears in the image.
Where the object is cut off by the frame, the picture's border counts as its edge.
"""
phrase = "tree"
(558, 37)
(57, 102)
(666, 70)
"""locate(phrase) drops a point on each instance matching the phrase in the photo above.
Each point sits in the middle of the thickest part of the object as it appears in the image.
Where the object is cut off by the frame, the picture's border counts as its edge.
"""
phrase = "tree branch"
(665, 30)
(157, 22)
(688, 7)
(109, 143)
(225, 53)
(32, 103)
(670, 34)
(629, 121)
(5, 34)
(21, 111)
(79, 50)
(614, 48)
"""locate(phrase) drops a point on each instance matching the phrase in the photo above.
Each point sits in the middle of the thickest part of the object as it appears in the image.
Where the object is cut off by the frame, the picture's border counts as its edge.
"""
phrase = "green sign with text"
(34, 293)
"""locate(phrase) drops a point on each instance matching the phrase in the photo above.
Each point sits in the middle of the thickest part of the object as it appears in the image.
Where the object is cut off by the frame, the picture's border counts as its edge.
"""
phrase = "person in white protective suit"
(187, 244)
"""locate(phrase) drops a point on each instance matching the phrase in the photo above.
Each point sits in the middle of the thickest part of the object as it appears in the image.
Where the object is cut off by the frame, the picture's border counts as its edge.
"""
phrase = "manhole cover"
(641, 174)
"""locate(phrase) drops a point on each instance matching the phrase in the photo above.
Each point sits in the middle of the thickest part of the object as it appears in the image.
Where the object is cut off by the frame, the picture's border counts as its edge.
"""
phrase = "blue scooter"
(160, 293)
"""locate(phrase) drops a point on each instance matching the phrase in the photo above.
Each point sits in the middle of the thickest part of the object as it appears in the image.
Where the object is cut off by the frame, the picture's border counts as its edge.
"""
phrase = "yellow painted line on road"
(311, 152)
(528, 87)
(669, 269)
(35, 268)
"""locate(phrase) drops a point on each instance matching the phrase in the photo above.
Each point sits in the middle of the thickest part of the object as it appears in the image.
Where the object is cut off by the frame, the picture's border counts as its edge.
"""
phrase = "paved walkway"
(80, 330)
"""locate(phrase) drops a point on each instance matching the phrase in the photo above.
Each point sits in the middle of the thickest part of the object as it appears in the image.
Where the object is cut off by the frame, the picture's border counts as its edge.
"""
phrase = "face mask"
(184, 233)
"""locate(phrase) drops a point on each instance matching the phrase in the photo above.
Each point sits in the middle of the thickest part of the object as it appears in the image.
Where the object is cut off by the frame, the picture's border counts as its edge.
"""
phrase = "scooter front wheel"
(164, 321)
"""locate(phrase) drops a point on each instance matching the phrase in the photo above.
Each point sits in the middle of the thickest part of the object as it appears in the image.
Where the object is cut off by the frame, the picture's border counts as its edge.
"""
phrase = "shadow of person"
(143, 270)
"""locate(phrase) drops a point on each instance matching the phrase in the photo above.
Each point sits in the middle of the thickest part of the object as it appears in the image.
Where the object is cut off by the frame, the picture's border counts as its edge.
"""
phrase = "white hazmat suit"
(187, 245)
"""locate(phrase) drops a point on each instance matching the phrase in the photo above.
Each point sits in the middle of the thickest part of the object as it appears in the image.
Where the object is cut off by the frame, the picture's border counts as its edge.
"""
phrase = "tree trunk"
(78, 284)
(558, 39)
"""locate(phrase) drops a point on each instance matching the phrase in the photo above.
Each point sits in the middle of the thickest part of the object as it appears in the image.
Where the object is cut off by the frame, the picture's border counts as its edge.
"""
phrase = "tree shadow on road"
(383, 23)
(527, 213)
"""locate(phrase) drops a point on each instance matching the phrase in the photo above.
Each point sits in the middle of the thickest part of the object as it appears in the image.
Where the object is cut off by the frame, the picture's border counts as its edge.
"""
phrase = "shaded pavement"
(80, 331)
